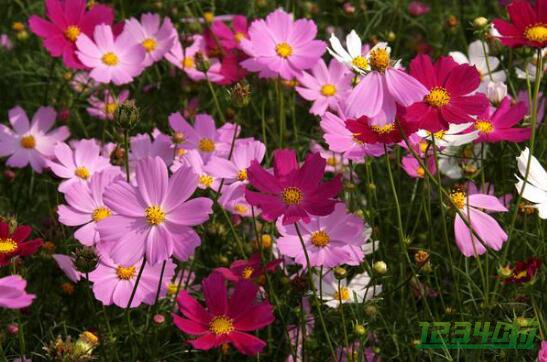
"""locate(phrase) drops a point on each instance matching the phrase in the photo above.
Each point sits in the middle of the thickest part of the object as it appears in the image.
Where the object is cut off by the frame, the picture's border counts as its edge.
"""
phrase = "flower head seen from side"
(85, 205)
(484, 225)
(249, 269)
(229, 38)
(292, 192)
(283, 45)
(117, 60)
(524, 271)
(498, 125)
(78, 165)
(381, 90)
(66, 264)
(535, 189)
(450, 98)
(326, 87)
(330, 240)
(527, 26)
(357, 290)
(233, 200)
(353, 58)
(364, 131)
(455, 135)
(13, 244)
(153, 219)
(13, 294)
(155, 37)
(413, 168)
(30, 142)
(226, 319)
(106, 107)
(67, 20)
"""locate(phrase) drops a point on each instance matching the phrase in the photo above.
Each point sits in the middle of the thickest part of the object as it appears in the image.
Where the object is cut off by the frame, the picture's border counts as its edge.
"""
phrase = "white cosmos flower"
(476, 57)
(535, 189)
(496, 91)
(353, 57)
(455, 160)
(531, 68)
(451, 137)
(357, 290)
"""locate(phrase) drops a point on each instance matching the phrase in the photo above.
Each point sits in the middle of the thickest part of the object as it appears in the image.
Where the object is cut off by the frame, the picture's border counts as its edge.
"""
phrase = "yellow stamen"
(208, 16)
(149, 45)
(125, 273)
(188, 62)
(172, 289)
(379, 59)
(28, 142)
(458, 198)
(360, 62)
(240, 208)
(206, 145)
(247, 272)
(439, 134)
(331, 161)
(82, 173)
(284, 50)
(100, 213)
(292, 196)
(221, 325)
(242, 175)
(537, 32)
(328, 90)
(320, 238)
(154, 215)
(72, 32)
(110, 108)
(420, 171)
(206, 180)
(238, 36)
(483, 126)
(389, 127)
(110, 59)
(438, 97)
(342, 295)
(7, 246)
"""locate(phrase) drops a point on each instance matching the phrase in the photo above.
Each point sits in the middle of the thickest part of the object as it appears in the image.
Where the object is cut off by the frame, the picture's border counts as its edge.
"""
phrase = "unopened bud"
(391, 36)
(380, 267)
(202, 63)
(505, 272)
(85, 259)
(127, 115)
(178, 138)
(452, 21)
(159, 319)
(266, 241)
(12, 328)
(371, 310)
(241, 94)
(480, 22)
(340, 273)
(360, 330)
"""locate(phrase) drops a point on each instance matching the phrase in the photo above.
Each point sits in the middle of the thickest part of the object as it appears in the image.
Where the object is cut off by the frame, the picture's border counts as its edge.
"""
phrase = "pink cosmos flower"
(413, 169)
(542, 353)
(326, 87)
(488, 188)
(113, 283)
(233, 200)
(386, 85)
(86, 206)
(142, 146)
(341, 139)
(354, 351)
(235, 169)
(155, 38)
(112, 60)
(229, 38)
(13, 294)
(68, 19)
(495, 125)
(30, 142)
(14, 244)
(106, 107)
(330, 240)
(282, 45)
(418, 8)
(81, 82)
(292, 191)
(66, 263)
(249, 269)
(5, 42)
(483, 224)
(78, 165)
(193, 160)
(336, 163)
(450, 97)
(528, 26)
(153, 218)
(226, 319)
(185, 59)
(523, 97)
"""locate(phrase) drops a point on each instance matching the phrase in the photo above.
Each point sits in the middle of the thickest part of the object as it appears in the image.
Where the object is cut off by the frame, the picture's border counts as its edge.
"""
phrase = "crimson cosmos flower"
(14, 244)
(249, 269)
(528, 26)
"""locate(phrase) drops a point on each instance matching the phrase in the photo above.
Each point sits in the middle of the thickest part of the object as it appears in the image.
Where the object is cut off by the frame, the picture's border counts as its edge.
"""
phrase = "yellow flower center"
(172, 289)
(181, 152)
(284, 50)
(320, 238)
(439, 134)
(7, 246)
(206, 180)
(90, 338)
(125, 273)
(342, 295)
(149, 45)
(221, 325)
(328, 90)
(458, 198)
(240, 208)
(420, 171)
(242, 175)
(82, 172)
(110, 108)
(438, 97)
(206, 145)
(331, 161)
(154, 215)
(72, 32)
(247, 272)
(188, 62)
(110, 59)
(18, 26)
(379, 59)
(100, 213)
(483, 126)
(239, 36)
(536, 33)
(292, 196)
(389, 127)
(28, 142)
(423, 146)
(360, 62)
(208, 16)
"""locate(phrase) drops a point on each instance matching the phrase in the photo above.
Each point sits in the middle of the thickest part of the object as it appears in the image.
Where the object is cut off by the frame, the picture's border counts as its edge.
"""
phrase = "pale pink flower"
(13, 294)
(142, 146)
(413, 168)
(66, 264)
(233, 200)
(155, 38)
(193, 159)
(106, 107)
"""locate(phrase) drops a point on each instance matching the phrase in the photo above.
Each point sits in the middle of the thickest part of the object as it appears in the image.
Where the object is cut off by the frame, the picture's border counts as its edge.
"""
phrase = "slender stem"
(215, 100)
(136, 285)
(126, 154)
(341, 308)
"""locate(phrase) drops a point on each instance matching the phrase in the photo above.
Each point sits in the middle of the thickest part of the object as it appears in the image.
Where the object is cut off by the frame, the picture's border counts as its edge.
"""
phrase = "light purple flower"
(106, 107)
(13, 294)
(66, 263)
(155, 38)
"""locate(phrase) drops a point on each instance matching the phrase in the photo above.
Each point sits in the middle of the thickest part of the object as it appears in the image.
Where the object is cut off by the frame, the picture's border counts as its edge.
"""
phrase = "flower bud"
(127, 115)
(359, 329)
(452, 21)
(202, 63)
(496, 91)
(178, 138)
(340, 273)
(380, 267)
(266, 241)
(371, 310)
(421, 257)
(208, 16)
(391, 36)
(67, 288)
(348, 8)
(18, 26)
(505, 271)
(241, 94)
(12, 328)
(159, 319)
(85, 259)
(9, 174)
(480, 22)
(22, 35)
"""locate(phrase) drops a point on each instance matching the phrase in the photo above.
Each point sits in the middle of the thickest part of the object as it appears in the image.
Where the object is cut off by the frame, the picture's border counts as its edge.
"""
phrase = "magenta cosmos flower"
(106, 107)
(483, 224)
(152, 219)
(528, 26)
(14, 244)
(292, 191)
(113, 283)
(112, 60)
(229, 38)
(325, 87)
(68, 19)
(450, 98)
(86, 207)
(383, 88)
(154, 37)
(226, 320)
(78, 165)
(330, 240)
(495, 125)
(13, 294)
(282, 45)
(30, 142)
(249, 269)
